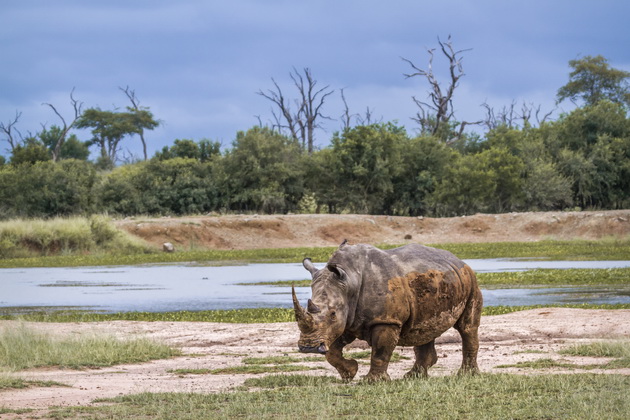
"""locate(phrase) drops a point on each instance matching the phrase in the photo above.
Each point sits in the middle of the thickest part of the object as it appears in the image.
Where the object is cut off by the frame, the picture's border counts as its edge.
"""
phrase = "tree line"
(579, 160)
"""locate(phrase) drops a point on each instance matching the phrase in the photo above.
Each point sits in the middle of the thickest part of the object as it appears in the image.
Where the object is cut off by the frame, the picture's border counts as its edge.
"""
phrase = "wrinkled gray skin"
(406, 296)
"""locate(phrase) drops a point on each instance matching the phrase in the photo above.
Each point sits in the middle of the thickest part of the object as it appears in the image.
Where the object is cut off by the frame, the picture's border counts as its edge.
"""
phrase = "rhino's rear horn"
(312, 308)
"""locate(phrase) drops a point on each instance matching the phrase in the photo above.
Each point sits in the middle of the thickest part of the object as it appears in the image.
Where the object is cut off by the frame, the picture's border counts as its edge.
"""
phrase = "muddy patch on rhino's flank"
(425, 284)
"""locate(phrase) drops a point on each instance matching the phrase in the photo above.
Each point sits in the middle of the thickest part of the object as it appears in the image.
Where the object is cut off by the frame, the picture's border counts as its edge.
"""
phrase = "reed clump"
(23, 238)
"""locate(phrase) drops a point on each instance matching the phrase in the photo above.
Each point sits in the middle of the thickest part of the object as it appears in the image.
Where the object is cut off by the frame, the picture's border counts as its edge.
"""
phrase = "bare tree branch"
(437, 113)
(135, 108)
(76, 106)
(10, 130)
(302, 121)
(346, 117)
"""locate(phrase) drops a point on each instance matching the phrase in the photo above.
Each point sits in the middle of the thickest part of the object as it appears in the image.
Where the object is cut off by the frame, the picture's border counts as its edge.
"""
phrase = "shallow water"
(159, 288)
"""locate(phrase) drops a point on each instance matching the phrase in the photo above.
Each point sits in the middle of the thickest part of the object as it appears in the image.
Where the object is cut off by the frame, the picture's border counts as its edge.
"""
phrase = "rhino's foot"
(376, 377)
(468, 370)
(348, 370)
(414, 373)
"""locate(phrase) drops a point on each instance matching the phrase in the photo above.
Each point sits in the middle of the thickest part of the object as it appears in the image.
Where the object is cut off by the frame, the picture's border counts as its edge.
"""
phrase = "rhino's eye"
(333, 315)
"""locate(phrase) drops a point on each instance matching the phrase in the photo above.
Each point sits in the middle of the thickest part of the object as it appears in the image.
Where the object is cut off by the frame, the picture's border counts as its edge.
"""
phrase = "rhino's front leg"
(347, 368)
(384, 339)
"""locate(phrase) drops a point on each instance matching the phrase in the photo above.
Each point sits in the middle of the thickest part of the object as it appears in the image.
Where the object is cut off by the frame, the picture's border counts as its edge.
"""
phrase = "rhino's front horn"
(304, 320)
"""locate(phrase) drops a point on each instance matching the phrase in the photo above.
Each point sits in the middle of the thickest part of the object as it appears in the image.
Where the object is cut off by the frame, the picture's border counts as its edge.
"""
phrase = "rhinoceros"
(407, 296)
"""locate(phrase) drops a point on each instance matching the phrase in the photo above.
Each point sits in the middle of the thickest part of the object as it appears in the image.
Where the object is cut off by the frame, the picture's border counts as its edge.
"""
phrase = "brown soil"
(505, 339)
(306, 230)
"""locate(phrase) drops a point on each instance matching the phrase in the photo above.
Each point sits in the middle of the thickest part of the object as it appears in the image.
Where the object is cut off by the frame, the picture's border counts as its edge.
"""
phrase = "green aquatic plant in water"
(240, 316)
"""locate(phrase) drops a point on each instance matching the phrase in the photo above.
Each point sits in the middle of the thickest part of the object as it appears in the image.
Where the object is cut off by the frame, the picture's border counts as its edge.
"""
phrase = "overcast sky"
(197, 64)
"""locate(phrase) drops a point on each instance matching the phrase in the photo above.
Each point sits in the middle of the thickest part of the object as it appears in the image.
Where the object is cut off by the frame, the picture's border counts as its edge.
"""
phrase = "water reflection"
(193, 287)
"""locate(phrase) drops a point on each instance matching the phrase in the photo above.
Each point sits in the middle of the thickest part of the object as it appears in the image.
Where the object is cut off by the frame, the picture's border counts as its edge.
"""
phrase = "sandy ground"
(505, 339)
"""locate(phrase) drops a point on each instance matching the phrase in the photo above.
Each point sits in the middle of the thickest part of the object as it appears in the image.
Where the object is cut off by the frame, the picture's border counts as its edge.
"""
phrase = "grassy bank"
(27, 239)
(549, 250)
(482, 396)
(538, 277)
(95, 241)
(240, 316)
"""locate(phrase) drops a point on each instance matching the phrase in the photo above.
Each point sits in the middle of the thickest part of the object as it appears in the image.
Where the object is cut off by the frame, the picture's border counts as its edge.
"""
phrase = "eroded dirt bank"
(505, 339)
(307, 230)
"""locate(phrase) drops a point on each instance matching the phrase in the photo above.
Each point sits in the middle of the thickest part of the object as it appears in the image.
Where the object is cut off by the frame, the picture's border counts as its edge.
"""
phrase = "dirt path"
(505, 339)
(306, 230)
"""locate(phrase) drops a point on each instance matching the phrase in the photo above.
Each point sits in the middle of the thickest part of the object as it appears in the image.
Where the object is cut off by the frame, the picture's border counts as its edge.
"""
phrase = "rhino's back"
(422, 258)
(422, 289)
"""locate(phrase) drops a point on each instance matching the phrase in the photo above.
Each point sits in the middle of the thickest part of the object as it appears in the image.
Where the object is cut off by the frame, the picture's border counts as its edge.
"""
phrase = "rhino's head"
(325, 316)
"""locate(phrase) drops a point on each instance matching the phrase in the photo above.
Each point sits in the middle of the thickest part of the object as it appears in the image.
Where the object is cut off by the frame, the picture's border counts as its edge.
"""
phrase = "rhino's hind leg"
(467, 326)
(384, 339)
(426, 356)
(347, 368)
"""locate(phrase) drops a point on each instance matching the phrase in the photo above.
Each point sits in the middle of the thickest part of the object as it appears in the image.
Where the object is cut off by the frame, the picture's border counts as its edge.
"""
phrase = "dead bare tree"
(10, 131)
(347, 117)
(505, 116)
(302, 120)
(76, 106)
(508, 116)
(435, 115)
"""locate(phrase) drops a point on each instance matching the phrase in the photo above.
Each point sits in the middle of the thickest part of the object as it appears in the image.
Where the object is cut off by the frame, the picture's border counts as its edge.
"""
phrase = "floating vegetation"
(241, 316)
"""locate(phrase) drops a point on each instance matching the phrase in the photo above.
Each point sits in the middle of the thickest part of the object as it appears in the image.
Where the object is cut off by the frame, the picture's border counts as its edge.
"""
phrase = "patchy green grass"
(605, 249)
(538, 277)
(502, 309)
(281, 360)
(254, 315)
(239, 316)
(190, 371)
(486, 396)
(279, 381)
(259, 369)
(10, 382)
(551, 277)
(546, 363)
(23, 348)
(367, 354)
(4, 410)
(619, 349)
(549, 250)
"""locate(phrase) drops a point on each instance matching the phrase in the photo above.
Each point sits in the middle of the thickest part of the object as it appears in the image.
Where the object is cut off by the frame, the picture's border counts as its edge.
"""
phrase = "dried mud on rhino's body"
(403, 296)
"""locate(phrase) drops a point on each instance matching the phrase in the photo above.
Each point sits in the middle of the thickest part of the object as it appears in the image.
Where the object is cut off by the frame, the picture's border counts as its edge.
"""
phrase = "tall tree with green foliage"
(263, 172)
(72, 147)
(109, 128)
(593, 80)
(424, 162)
(366, 161)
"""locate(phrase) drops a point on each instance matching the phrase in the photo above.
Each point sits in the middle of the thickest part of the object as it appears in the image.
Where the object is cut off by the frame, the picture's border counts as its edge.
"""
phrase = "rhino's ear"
(344, 243)
(308, 264)
(337, 270)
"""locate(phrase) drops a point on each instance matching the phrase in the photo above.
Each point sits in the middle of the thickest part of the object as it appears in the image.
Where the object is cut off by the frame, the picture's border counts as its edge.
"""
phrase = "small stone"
(168, 247)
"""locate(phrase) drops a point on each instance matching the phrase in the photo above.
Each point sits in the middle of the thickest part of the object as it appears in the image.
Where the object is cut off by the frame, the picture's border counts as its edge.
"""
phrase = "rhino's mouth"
(321, 349)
